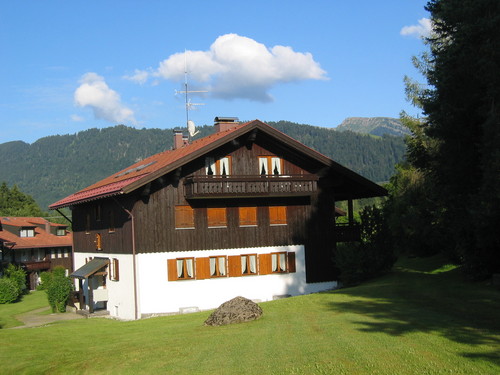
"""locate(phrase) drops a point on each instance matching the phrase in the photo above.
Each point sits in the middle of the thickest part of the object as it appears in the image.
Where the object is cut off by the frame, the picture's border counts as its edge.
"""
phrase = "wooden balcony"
(202, 187)
(346, 232)
(36, 265)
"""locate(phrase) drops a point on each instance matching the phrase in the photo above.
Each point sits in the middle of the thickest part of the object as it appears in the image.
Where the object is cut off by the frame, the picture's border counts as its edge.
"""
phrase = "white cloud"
(139, 76)
(77, 118)
(422, 30)
(238, 67)
(104, 102)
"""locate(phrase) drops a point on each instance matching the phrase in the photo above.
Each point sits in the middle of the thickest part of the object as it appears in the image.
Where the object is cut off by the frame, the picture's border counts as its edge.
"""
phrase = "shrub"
(9, 290)
(18, 276)
(45, 278)
(58, 288)
(373, 256)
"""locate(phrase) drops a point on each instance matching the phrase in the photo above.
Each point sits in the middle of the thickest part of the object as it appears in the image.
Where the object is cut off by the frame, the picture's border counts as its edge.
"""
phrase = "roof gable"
(155, 166)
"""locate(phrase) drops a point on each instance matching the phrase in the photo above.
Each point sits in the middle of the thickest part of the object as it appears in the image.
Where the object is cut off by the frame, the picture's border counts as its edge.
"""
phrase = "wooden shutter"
(291, 262)
(234, 265)
(202, 268)
(172, 269)
(216, 217)
(184, 217)
(265, 264)
(248, 216)
(116, 269)
(277, 215)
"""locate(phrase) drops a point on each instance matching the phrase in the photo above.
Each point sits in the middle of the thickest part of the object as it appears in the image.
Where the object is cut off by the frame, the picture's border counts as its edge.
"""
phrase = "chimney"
(225, 123)
(178, 139)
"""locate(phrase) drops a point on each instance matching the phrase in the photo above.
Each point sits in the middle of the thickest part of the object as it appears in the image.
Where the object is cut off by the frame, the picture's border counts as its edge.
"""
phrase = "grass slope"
(421, 319)
(28, 302)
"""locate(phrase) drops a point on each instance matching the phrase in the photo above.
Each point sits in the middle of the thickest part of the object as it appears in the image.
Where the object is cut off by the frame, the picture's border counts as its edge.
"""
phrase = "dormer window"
(270, 165)
(61, 231)
(219, 167)
(27, 232)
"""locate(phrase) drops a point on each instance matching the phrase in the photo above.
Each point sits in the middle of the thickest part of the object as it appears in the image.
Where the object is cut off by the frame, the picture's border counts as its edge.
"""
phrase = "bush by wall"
(9, 290)
(373, 256)
(58, 288)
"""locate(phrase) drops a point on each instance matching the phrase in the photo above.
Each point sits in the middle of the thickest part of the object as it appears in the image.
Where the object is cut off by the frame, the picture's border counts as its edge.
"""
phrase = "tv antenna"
(191, 127)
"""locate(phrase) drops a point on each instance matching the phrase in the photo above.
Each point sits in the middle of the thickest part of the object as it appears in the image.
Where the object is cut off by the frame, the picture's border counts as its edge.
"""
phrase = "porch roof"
(90, 268)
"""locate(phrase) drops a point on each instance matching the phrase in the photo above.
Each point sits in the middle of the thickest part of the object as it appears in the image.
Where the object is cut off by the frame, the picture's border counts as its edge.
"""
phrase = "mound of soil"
(237, 310)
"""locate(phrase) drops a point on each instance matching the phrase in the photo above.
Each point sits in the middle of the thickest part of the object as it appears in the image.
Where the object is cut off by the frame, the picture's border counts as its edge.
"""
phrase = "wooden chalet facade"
(36, 245)
(245, 211)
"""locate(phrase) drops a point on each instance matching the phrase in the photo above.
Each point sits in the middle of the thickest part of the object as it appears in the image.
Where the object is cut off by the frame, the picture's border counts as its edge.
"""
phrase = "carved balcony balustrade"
(250, 186)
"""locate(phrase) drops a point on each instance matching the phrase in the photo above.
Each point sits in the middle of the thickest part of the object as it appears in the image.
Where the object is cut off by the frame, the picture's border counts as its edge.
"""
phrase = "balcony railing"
(345, 232)
(250, 186)
(36, 265)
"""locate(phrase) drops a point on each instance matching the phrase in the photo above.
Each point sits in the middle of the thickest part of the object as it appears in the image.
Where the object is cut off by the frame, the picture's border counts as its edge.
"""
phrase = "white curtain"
(263, 166)
(180, 268)
(244, 264)
(209, 166)
(224, 167)
(253, 264)
(213, 262)
(189, 267)
(274, 261)
(276, 166)
(282, 262)
(222, 266)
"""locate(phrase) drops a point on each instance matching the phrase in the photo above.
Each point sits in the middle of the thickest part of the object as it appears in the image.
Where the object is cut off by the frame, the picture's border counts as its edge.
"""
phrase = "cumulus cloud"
(422, 30)
(95, 94)
(238, 67)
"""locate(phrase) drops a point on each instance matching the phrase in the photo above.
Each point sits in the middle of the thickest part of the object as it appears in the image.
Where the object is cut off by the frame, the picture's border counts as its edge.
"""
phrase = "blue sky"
(67, 66)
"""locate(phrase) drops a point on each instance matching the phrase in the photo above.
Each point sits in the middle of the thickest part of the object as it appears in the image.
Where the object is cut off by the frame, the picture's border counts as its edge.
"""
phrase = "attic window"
(27, 232)
(136, 169)
(61, 231)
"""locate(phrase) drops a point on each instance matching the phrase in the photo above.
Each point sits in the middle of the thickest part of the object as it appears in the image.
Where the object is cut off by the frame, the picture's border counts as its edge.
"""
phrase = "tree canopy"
(14, 202)
(450, 188)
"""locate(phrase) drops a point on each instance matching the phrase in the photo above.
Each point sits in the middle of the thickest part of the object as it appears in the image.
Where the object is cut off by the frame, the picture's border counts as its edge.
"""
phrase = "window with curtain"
(27, 232)
(219, 167)
(278, 262)
(218, 266)
(270, 165)
(185, 268)
(249, 264)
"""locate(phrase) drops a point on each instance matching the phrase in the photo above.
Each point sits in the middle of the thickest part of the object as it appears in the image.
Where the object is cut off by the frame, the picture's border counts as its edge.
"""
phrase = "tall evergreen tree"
(462, 106)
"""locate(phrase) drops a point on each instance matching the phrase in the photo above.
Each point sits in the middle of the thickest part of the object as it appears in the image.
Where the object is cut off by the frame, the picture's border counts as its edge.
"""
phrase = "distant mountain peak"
(374, 126)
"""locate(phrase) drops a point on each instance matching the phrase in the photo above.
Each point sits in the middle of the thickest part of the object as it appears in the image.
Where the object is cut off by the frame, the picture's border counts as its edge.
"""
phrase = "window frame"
(267, 161)
(278, 256)
(173, 269)
(27, 232)
(216, 166)
(217, 274)
(248, 265)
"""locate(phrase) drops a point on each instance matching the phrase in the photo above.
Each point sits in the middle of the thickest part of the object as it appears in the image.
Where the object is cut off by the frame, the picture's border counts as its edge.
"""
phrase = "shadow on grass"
(413, 300)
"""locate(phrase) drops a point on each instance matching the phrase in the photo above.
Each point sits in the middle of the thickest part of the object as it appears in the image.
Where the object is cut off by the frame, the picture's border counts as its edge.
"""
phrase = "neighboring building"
(36, 245)
(245, 211)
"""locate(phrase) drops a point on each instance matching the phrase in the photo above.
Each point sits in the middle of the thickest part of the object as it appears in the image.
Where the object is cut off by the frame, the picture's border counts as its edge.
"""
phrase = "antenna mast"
(189, 106)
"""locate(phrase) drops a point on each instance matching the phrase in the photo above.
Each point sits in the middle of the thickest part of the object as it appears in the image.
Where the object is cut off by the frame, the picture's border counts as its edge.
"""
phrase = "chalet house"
(36, 245)
(245, 211)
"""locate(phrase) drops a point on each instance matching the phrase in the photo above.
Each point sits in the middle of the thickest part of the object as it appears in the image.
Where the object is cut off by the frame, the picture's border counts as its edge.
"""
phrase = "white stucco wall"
(158, 295)
(120, 293)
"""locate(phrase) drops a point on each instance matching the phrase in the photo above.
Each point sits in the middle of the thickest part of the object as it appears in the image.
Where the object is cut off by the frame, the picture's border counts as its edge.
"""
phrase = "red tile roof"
(41, 238)
(145, 171)
(118, 182)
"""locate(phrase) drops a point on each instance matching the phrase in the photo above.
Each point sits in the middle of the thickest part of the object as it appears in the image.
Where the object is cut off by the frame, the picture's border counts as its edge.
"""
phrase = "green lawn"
(29, 302)
(421, 319)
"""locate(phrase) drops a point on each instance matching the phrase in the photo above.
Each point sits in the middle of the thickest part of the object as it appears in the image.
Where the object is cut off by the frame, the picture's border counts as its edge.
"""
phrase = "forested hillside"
(374, 126)
(56, 166)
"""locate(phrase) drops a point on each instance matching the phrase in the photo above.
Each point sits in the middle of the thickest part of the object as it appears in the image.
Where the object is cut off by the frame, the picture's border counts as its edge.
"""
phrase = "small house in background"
(36, 245)
(247, 211)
